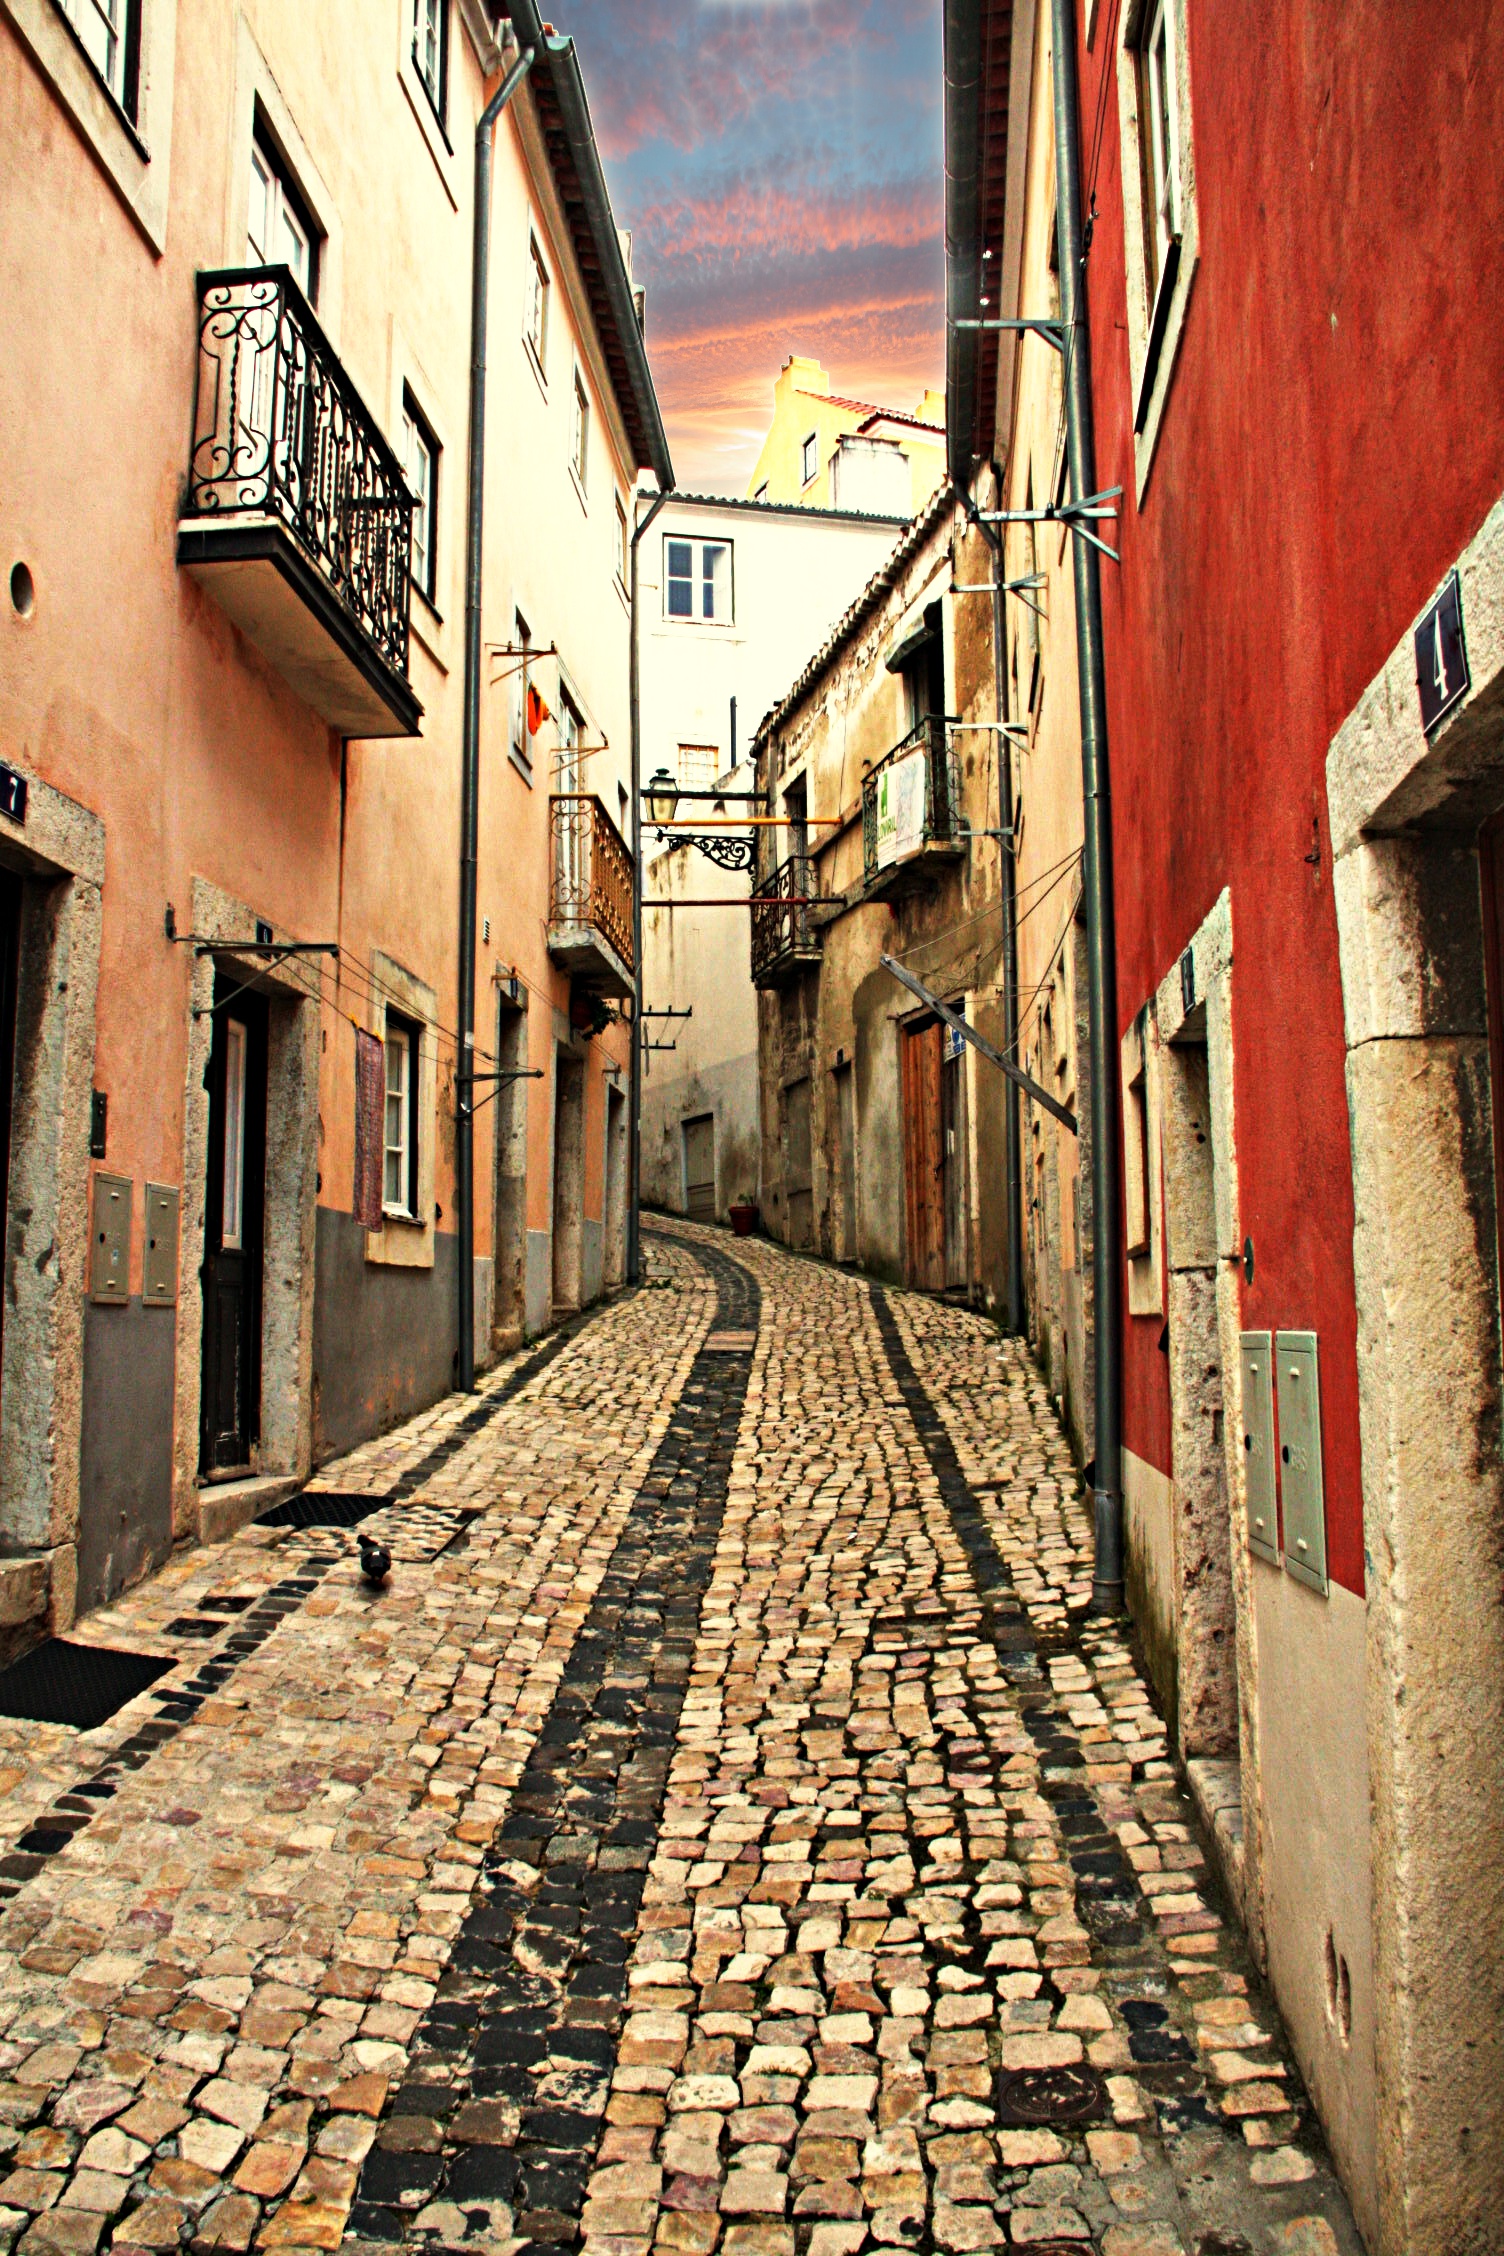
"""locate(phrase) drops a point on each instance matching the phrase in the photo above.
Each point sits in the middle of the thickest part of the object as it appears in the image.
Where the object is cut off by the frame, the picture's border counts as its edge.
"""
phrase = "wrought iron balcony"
(590, 894)
(784, 936)
(911, 814)
(297, 517)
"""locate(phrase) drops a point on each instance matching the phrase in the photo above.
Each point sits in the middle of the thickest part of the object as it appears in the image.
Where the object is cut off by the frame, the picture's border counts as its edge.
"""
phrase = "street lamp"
(662, 795)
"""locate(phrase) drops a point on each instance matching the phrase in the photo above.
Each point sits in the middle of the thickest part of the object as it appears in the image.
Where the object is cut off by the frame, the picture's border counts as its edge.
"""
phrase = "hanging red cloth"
(537, 710)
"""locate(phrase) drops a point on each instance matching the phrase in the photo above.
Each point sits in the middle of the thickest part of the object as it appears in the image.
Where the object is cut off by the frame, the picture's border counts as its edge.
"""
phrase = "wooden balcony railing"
(591, 875)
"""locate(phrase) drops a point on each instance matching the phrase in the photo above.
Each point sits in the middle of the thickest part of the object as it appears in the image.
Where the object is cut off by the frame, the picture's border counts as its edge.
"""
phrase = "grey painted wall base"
(384, 1339)
(125, 1465)
(540, 1282)
(592, 1257)
(728, 1090)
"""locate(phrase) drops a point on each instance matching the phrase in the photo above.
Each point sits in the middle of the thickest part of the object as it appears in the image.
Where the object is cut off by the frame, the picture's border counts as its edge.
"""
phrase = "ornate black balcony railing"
(279, 430)
(896, 821)
(781, 930)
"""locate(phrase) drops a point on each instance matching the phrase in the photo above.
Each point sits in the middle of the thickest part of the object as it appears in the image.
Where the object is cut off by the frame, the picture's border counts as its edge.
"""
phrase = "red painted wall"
(1334, 435)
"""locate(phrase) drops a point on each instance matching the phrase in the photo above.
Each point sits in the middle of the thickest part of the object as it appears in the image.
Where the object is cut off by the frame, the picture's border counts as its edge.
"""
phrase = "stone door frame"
(1405, 814)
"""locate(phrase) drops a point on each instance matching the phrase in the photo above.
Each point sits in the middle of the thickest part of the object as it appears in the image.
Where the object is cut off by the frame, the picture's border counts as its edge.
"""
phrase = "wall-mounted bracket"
(954, 1020)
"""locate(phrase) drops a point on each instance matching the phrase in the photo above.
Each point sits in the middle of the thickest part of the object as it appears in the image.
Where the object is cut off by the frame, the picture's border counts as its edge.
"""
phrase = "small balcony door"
(234, 1212)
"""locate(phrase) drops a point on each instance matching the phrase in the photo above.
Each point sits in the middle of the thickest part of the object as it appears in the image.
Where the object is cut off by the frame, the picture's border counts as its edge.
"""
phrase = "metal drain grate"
(81, 1685)
(1048, 2095)
(325, 1507)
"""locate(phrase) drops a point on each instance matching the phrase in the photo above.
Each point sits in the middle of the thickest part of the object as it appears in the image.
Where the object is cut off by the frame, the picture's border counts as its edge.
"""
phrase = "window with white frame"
(109, 32)
(623, 542)
(431, 51)
(522, 640)
(579, 450)
(279, 231)
(535, 326)
(697, 766)
(399, 1188)
(809, 457)
(1160, 228)
(420, 459)
(697, 580)
(1161, 154)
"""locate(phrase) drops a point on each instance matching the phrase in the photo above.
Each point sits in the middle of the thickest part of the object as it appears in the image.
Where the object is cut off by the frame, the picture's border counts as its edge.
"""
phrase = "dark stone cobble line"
(496, 2123)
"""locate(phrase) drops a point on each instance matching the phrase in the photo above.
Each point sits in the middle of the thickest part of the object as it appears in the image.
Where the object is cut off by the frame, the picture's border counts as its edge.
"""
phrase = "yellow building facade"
(824, 451)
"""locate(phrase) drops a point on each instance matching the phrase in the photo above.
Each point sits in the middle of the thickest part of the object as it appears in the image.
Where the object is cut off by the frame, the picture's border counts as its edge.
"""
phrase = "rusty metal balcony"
(785, 938)
(297, 517)
(590, 894)
(911, 814)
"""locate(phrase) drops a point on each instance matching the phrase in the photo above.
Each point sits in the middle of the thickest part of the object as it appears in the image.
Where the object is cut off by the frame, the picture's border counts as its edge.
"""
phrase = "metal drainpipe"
(1096, 881)
(464, 1092)
(634, 1084)
(1012, 1141)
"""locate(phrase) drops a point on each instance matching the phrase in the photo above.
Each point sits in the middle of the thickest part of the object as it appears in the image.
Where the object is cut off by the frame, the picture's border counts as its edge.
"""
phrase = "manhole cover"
(1048, 2095)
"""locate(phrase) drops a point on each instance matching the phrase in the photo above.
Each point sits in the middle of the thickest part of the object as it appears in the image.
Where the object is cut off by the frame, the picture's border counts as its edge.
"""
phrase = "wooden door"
(953, 1159)
(846, 1109)
(10, 969)
(230, 1381)
(1491, 860)
(799, 1163)
(699, 1167)
(923, 1156)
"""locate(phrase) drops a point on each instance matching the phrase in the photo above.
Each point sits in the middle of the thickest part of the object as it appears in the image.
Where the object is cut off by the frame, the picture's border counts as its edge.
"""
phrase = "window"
(279, 231)
(232, 1209)
(522, 639)
(579, 450)
(431, 50)
(536, 329)
(1162, 142)
(698, 765)
(420, 459)
(399, 1188)
(809, 457)
(567, 756)
(623, 542)
(697, 580)
(109, 32)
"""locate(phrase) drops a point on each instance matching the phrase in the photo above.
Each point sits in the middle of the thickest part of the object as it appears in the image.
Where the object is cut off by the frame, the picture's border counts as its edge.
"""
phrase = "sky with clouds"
(779, 164)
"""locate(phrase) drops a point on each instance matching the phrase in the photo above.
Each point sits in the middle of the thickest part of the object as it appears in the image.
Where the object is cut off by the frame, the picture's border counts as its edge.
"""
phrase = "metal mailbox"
(1256, 1353)
(1298, 1391)
(110, 1246)
(159, 1268)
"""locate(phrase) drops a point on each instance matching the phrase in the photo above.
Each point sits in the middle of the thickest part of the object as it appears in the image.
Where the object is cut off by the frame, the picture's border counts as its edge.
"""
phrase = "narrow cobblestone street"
(725, 1831)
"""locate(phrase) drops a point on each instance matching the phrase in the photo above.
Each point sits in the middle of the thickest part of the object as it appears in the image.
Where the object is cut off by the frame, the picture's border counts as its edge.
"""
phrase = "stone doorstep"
(36, 1598)
(1217, 1791)
(228, 1506)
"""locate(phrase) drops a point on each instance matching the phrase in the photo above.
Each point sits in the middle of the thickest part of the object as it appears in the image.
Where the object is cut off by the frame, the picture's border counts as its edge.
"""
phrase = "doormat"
(326, 1507)
(82, 1685)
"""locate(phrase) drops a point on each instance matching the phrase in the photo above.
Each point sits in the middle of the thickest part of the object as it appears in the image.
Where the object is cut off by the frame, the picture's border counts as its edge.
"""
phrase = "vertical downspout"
(464, 1089)
(1012, 1142)
(634, 1084)
(1096, 881)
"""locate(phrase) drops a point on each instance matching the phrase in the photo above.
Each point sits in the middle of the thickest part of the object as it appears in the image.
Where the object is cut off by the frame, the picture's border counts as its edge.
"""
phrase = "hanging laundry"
(537, 710)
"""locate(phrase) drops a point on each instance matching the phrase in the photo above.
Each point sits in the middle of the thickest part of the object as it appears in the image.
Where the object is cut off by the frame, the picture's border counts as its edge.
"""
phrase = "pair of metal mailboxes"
(110, 1244)
(1280, 1369)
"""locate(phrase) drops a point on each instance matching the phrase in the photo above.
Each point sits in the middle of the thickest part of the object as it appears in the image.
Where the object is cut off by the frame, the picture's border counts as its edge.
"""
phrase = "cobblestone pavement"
(725, 1832)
